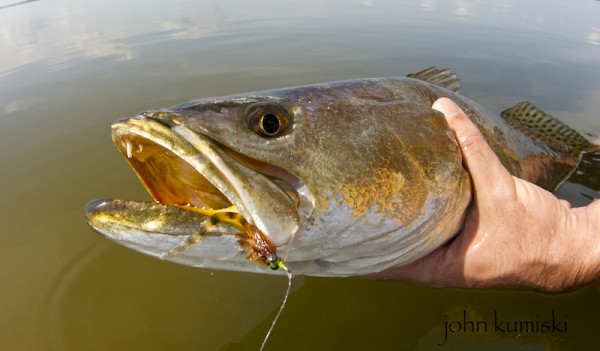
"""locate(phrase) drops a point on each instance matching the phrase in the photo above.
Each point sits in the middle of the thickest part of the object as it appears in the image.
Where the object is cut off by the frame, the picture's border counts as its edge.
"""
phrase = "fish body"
(340, 178)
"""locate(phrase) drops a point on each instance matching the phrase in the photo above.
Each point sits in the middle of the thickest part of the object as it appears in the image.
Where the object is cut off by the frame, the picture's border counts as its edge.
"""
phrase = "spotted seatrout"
(338, 178)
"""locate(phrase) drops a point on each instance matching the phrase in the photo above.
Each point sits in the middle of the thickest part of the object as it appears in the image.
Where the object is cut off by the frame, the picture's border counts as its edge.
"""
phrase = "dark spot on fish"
(212, 221)
(229, 215)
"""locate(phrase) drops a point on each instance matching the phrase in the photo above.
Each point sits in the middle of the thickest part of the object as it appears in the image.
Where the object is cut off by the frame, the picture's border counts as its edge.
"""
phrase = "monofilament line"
(287, 293)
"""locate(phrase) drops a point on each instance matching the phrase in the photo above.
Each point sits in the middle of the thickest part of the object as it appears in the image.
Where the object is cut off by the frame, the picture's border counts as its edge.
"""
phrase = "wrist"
(579, 244)
(588, 228)
(572, 250)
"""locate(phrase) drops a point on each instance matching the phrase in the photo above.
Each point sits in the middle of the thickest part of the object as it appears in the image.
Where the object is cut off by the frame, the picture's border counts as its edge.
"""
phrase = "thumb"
(484, 166)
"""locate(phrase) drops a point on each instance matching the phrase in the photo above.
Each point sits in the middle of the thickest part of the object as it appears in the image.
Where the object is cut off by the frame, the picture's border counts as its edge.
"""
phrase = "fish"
(332, 179)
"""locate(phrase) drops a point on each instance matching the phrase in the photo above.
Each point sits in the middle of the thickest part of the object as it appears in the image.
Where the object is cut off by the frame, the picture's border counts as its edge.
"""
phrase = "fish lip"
(112, 218)
(225, 189)
(154, 229)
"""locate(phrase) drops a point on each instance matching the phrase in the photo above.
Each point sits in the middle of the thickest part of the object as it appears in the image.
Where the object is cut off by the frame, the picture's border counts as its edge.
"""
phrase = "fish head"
(319, 172)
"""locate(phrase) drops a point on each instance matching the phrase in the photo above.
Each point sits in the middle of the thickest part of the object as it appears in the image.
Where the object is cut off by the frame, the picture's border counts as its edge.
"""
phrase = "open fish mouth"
(200, 188)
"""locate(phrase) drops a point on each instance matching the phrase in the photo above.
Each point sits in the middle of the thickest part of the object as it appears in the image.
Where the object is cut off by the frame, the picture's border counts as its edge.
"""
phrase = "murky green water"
(69, 68)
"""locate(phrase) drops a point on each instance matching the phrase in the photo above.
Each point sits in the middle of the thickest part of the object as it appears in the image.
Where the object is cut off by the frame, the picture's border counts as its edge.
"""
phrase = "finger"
(486, 170)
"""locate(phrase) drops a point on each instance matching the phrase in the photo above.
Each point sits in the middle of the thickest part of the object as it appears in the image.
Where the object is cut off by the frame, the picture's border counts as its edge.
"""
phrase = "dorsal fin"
(527, 114)
(440, 77)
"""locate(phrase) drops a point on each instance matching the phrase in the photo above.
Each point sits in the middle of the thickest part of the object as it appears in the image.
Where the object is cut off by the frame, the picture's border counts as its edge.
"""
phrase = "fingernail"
(446, 106)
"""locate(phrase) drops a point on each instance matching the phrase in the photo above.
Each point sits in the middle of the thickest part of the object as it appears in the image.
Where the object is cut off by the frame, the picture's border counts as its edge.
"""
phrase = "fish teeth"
(129, 147)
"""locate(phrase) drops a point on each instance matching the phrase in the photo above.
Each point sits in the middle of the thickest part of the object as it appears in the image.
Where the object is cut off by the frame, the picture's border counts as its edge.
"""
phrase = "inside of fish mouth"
(171, 180)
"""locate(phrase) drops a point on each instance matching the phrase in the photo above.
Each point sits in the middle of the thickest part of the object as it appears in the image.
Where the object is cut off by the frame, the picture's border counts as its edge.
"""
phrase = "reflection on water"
(69, 68)
(88, 29)
(6, 4)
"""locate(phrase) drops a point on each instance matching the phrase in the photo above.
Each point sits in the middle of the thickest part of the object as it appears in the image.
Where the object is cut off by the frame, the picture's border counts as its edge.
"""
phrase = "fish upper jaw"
(181, 167)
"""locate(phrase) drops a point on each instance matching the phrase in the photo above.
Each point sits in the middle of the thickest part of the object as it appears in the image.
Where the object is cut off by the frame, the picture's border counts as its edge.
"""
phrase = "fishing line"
(279, 263)
(287, 293)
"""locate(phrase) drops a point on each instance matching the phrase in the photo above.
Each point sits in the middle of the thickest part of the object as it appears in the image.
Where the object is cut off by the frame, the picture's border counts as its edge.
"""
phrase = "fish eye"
(272, 258)
(267, 119)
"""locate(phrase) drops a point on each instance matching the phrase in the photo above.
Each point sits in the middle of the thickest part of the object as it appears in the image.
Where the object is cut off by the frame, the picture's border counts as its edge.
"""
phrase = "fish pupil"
(270, 124)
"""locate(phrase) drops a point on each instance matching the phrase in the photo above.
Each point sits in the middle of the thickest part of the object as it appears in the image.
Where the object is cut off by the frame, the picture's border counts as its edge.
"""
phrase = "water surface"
(69, 68)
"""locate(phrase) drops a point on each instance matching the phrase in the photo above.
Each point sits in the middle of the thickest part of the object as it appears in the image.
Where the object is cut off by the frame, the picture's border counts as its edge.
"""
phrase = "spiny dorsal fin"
(440, 77)
(532, 117)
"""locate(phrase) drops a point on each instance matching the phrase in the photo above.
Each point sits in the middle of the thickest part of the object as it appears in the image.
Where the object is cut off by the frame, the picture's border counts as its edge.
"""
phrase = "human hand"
(515, 234)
